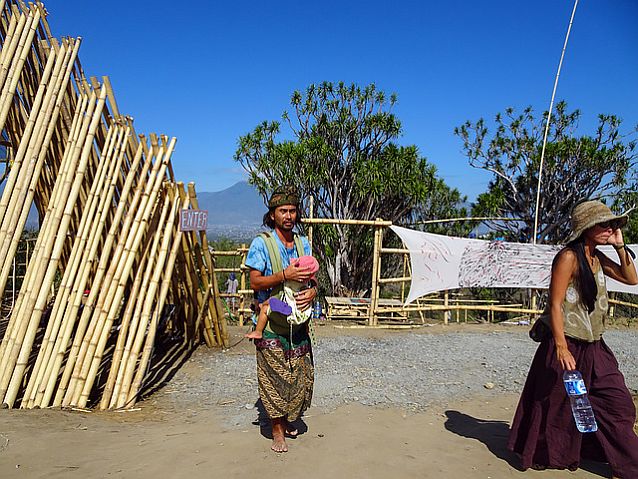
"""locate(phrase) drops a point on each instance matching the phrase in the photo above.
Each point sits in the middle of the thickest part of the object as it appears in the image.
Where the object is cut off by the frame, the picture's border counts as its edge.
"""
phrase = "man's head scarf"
(286, 195)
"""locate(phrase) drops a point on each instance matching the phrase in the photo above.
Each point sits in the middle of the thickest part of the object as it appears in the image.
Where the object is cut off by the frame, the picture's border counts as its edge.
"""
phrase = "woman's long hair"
(585, 282)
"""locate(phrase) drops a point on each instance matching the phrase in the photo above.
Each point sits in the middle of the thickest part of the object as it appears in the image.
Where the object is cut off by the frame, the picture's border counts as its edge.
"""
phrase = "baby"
(286, 305)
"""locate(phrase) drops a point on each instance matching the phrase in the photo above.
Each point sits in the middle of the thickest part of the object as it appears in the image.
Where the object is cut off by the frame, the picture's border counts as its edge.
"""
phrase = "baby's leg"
(258, 333)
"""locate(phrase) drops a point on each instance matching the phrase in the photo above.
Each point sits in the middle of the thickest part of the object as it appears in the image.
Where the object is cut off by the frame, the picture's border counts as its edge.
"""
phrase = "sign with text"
(193, 220)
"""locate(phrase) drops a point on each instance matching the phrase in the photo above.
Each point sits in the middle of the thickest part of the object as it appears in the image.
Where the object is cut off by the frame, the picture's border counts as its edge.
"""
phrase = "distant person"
(283, 307)
(285, 370)
(543, 430)
(231, 288)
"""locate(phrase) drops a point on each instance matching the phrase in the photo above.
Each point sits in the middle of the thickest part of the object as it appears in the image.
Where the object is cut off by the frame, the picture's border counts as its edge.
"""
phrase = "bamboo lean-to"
(108, 206)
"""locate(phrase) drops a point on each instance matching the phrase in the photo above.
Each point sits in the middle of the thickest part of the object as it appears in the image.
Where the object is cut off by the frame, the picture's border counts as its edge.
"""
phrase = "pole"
(549, 116)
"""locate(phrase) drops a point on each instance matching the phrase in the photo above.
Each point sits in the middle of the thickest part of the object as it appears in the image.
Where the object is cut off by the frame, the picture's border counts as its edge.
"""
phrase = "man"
(285, 370)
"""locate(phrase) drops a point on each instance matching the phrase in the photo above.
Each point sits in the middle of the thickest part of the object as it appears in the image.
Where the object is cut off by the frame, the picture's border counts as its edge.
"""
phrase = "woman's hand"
(616, 238)
(565, 358)
(305, 298)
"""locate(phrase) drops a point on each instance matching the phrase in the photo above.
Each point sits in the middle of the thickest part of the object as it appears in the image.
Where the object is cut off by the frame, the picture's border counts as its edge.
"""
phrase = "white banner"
(442, 262)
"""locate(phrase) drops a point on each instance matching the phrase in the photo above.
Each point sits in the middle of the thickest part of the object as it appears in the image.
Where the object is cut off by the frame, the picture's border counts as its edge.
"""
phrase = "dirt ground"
(464, 439)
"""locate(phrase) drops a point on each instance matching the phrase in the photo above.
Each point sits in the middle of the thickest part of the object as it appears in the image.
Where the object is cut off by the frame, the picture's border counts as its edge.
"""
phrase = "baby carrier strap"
(276, 323)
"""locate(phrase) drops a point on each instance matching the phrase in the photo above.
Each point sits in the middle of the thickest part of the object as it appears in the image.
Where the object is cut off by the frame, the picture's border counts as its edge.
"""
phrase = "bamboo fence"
(110, 275)
(376, 310)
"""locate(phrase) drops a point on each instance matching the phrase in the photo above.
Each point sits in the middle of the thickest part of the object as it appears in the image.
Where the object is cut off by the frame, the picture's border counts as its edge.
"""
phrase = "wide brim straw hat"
(590, 213)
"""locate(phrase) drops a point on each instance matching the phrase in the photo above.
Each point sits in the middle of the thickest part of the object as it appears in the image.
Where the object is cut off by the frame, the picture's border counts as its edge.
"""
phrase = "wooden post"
(311, 216)
(242, 284)
(612, 306)
(446, 313)
(376, 273)
(405, 261)
(533, 305)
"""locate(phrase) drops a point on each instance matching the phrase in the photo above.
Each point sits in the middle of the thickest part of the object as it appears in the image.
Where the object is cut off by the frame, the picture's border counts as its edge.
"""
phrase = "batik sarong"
(285, 373)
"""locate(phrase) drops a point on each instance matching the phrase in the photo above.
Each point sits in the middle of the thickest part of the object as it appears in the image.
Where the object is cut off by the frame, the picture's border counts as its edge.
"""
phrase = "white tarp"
(442, 262)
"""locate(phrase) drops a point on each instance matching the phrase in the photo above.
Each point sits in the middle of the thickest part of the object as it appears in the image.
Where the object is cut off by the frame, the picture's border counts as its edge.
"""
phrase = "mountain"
(235, 212)
(238, 205)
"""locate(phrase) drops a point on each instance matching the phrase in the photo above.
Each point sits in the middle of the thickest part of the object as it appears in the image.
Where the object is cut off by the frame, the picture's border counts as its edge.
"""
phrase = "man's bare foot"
(254, 335)
(278, 438)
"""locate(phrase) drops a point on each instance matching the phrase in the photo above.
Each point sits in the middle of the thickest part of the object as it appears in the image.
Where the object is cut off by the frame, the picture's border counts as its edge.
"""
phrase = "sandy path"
(465, 440)
(198, 427)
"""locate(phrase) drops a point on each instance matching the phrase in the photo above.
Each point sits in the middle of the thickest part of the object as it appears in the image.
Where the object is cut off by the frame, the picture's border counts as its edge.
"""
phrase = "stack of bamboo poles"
(110, 270)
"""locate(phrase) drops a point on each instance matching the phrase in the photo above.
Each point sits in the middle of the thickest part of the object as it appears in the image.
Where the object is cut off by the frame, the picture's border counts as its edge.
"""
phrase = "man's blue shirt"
(259, 259)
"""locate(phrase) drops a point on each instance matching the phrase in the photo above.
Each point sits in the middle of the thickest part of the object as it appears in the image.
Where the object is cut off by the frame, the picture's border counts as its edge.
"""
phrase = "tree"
(342, 154)
(576, 168)
(628, 202)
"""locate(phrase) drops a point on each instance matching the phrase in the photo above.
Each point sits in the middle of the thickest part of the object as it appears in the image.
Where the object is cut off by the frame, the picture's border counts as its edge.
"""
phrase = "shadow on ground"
(265, 428)
(494, 435)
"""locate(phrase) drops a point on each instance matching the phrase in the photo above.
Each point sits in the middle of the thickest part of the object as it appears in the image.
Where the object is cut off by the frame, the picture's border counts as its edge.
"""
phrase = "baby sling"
(278, 322)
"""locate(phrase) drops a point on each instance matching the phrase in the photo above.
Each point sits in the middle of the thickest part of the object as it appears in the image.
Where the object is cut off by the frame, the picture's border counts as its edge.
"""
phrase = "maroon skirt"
(543, 430)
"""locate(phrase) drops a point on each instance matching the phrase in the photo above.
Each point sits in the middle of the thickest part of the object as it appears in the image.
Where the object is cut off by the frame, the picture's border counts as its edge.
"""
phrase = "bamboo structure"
(110, 274)
(242, 294)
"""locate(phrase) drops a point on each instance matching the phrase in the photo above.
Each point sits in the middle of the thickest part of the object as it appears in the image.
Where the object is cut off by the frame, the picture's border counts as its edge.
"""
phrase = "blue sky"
(209, 72)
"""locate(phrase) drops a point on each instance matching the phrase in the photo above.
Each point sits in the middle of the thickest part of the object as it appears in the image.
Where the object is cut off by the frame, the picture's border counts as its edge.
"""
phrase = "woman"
(543, 430)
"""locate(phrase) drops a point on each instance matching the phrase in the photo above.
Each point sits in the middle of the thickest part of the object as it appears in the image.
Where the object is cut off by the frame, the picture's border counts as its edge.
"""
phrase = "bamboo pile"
(110, 272)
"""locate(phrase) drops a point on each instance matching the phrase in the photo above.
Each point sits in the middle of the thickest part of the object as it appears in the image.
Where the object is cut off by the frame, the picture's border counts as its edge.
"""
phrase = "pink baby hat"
(308, 262)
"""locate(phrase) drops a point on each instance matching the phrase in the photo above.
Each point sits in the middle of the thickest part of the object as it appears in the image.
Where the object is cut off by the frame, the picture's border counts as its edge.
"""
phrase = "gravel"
(405, 370)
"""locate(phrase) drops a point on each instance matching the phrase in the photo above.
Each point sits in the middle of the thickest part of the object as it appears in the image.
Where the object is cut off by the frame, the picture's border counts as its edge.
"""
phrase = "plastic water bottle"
(581, 408)
(316, 310)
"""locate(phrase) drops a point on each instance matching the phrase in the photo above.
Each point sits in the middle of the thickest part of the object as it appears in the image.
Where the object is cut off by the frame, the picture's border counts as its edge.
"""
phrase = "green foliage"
(343, 156)
(576, 168)
(625, 203)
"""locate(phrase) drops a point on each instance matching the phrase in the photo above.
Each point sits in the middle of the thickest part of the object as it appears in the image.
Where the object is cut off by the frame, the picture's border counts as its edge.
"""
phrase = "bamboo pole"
(622, 303)
(405, 262)
(89, 225)
(211, 279)
(105, 257)
(68, 277)
(40, 300)
(6, 227)
(104, 275)
(242, 285)
(128, 327)
(7, 43)
(13, 77)
(122, 354)
(94, 301)
(376, 273)
(395, 250)
(27, 139)
(139, 300)
(32, 280)
(10, 47)
(212, 319)
(331, 221)
(54, 101)
(107, 317)
(311, 217)
(462, 307)
(189, 277)
(152, 330)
